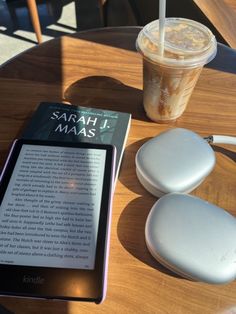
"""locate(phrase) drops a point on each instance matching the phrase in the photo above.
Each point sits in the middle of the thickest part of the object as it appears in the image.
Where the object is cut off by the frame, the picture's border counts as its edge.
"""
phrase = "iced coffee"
(169, 78)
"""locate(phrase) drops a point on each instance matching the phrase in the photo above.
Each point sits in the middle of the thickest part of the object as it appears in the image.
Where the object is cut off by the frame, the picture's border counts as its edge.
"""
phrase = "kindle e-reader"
(55, 219)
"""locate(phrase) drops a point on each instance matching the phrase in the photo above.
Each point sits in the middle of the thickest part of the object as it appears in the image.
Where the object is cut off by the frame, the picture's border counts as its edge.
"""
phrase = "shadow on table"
(106, 92)
(131, 224)
(16, 305)
(119, 37)
(224, 151)
(131, 228)
(4, 310)
(225, 59)
(127, 174)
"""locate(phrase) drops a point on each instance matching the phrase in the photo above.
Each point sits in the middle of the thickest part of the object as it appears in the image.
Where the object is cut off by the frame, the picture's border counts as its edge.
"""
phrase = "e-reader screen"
(51, 206)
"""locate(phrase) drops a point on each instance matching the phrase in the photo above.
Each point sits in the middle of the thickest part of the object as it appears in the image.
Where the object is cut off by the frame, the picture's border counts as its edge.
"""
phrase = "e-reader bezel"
(62, 283)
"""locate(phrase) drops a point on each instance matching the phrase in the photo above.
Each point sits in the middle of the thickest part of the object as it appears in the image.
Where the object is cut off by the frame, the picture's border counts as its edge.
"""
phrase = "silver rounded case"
(193, 238)
(177, 160)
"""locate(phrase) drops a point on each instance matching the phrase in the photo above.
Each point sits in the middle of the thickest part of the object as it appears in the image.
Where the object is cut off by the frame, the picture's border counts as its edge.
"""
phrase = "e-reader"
(55, 220)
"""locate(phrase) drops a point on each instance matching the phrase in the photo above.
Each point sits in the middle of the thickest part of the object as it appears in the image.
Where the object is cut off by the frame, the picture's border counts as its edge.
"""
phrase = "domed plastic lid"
(193, 238)
(187, 42)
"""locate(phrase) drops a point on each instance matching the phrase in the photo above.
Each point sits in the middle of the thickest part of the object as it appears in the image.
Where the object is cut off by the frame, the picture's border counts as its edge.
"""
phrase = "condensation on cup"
(169, 78)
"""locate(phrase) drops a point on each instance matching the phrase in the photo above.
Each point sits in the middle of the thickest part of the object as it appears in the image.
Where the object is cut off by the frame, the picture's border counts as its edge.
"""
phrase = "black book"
(61, 122)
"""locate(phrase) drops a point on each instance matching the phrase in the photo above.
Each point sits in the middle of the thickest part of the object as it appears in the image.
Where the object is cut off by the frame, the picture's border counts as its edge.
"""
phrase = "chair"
(35, 19)
(33, 11)
(89, 14)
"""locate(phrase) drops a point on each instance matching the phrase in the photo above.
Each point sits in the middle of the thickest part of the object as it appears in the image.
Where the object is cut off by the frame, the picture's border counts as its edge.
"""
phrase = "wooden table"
(106, 72)
(222, 14)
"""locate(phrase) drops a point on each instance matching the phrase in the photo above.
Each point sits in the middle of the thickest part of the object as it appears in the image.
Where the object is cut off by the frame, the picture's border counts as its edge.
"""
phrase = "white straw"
(162, 16)
(221, 139)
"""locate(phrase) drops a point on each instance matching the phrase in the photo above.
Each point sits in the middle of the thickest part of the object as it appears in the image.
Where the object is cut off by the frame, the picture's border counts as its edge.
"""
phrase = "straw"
(162, 17)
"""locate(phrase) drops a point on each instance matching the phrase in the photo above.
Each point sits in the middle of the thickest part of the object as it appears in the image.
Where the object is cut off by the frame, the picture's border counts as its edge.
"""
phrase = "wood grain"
(101, 68)
(222, 13)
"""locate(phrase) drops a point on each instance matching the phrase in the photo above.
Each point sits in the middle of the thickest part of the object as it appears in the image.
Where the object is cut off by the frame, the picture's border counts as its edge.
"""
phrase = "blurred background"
(61, 17)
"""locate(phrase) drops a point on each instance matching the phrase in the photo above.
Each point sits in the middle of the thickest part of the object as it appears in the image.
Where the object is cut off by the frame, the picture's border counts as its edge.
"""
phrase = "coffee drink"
(169, 78)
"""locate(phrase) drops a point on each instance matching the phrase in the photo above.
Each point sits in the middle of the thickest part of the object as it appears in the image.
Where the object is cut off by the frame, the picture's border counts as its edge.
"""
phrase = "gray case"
(177, 160)
(192, 238)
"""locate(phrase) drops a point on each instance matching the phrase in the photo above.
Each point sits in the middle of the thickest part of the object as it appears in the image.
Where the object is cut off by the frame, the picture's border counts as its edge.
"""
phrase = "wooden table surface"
(222, 14)
(101, 68)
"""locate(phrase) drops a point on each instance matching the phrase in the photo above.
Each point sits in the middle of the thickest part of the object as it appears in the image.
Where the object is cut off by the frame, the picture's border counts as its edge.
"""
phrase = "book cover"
(61, 122)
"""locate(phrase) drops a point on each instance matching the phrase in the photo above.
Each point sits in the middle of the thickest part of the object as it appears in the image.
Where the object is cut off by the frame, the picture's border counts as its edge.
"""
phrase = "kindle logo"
(34, 280)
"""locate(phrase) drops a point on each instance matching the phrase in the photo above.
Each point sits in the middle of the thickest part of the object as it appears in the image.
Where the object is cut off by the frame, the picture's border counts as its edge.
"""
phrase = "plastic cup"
(169, 79)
